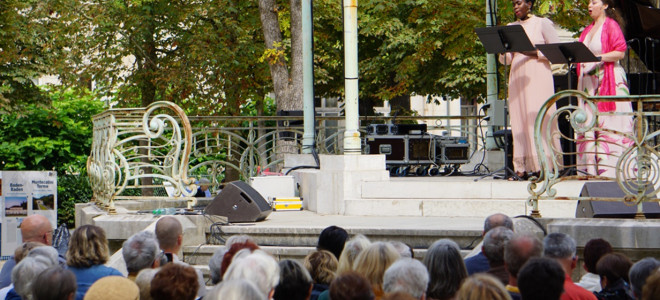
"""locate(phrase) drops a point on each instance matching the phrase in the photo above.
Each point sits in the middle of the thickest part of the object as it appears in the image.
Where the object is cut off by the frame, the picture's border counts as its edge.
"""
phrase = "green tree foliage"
(202, 55)
(26, 51)
(57, 137)
(49, 138)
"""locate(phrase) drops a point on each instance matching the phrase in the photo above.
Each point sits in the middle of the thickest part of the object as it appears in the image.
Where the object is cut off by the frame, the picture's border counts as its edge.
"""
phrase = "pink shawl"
(612, 40)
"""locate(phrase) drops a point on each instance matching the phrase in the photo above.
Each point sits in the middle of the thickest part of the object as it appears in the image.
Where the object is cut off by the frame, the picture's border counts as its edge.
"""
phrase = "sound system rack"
(409, 149)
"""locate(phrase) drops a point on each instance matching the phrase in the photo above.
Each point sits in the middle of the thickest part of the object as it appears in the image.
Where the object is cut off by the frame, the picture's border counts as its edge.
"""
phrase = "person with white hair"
(352, 249)
(24, 274)
(139, 252)
(257, 267)
(236, 289)
(407, 275)
(404, 249)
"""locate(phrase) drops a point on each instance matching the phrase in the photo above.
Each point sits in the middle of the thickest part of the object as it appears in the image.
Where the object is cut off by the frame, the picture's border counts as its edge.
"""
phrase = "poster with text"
(24, 193)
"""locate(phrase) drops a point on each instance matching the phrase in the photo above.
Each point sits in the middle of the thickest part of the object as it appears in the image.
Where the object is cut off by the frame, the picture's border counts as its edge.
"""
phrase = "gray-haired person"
(140, 252)
(639, 272)
(562, 248)
(406, 275)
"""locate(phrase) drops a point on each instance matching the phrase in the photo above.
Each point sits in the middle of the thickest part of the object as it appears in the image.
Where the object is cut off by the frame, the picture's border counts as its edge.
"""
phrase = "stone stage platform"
(413, 210)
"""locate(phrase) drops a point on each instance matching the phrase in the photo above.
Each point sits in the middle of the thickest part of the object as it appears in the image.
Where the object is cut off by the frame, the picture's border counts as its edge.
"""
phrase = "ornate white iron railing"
(159, 148)
(633, 153)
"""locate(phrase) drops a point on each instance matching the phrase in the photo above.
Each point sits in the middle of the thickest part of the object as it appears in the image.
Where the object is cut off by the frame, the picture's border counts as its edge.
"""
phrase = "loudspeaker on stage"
(239, 202)
(609, 209)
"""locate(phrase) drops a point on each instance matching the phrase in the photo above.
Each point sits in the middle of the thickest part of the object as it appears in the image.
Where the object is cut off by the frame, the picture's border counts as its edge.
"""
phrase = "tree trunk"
(288, 88)
(146, 58)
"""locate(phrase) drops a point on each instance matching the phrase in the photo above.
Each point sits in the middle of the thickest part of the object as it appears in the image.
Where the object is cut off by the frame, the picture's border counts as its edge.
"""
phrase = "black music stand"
(569, 54)
(499, 40)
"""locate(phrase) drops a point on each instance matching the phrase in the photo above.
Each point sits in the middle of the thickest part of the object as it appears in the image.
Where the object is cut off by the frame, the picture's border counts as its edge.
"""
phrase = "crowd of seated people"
(515, 265)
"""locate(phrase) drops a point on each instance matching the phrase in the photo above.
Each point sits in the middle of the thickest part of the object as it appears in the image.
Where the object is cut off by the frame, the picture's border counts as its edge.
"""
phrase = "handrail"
(637, 168)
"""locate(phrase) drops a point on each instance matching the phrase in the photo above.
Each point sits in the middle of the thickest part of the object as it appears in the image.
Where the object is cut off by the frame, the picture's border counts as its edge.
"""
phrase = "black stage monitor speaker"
(239, 202)
(608, 209)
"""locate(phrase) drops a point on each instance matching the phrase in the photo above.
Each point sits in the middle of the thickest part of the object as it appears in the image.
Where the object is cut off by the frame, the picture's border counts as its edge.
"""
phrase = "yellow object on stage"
(289, 203)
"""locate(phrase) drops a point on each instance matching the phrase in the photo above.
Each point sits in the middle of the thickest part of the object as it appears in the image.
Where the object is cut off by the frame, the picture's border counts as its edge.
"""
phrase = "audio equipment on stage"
(239, 202)
(609, 209)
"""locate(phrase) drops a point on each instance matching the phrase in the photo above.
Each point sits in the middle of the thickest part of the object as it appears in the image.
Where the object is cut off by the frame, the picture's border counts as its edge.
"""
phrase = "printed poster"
(23, 193)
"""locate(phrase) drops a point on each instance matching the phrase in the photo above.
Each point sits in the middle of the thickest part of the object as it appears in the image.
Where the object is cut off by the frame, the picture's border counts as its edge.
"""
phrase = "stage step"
(459, 196)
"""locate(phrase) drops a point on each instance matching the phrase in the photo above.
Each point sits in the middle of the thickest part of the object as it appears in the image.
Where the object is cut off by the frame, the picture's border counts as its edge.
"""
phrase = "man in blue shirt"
(479, 263)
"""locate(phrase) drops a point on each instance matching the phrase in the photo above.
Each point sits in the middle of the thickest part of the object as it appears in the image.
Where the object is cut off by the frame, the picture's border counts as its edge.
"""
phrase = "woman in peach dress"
(530, 85)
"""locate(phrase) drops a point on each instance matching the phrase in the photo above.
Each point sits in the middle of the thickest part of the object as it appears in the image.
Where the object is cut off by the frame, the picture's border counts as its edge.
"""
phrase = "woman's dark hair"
(531, 4)
(295, 281)
(614, 266)
(54, 283)
(613, 13)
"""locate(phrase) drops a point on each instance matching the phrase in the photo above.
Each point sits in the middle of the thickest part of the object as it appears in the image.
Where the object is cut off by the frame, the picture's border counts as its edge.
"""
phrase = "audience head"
(239, 238)
(47, 252)
(54, 283)
(404, 249)
(519, 250)
(613, 267)
(24, 272)
(482, 286)
(496, 220)
(143, 282)
(174, 281)
(593, 251)
(37, 228)
(351, 251)
(374, 260)
(231, 252)
(87, 247)
(398, 296)
(332, 239)
(446, 269)
(257, 267)
(351, 286)
(23, 249)
(215, 265)
(406, 275)
(559, 245)
(139, 251)
(237, 289)
(651, 290)
(541, 278)
(494, 242)
(113, 288)
(322, 266)
(640, 271)
(169, 233)
(295, 282)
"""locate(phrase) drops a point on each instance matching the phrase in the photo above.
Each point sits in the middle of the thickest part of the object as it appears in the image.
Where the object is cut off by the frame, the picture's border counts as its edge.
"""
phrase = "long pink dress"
(530, 85)
(598, 151)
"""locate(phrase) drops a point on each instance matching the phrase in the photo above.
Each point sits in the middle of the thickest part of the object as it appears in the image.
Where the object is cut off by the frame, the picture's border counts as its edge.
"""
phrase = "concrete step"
(302, 229)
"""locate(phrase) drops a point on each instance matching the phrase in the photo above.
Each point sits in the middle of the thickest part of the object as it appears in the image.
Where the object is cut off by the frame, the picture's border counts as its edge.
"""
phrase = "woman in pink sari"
(598, 151)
